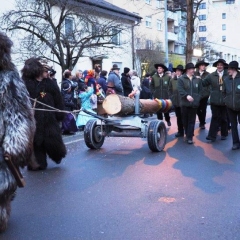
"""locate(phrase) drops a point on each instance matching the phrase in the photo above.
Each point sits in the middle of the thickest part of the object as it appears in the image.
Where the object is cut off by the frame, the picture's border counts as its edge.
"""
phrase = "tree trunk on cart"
(119, 105)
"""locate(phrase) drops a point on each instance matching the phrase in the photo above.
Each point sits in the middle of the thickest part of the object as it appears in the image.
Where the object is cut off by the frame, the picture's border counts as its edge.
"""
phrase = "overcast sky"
(7, 5)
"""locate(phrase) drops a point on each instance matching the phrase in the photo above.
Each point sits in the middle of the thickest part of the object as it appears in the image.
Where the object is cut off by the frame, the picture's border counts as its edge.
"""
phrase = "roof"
(107, 7)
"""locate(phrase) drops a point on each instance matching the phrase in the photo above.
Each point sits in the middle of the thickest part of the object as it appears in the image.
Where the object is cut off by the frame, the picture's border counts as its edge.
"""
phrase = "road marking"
(78, 140)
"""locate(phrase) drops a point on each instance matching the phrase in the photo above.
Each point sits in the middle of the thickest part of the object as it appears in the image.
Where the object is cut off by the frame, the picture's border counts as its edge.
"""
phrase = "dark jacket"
(126, 83)
(69, 105)
(231, 92)
(206, 89)
(92, 82)
(146, 83)
(102, 81)
(173, 92)
(115, 80)
(212, 80)
(159, 86)
(189, 87)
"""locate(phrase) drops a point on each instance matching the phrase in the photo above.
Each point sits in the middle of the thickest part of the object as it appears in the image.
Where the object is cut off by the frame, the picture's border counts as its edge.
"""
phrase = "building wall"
(218, 28)
(153, 36)
(121, 54)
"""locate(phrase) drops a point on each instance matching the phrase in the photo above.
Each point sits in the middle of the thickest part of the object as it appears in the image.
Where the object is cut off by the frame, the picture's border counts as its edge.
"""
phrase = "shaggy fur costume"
(48, 137)
(17, 128)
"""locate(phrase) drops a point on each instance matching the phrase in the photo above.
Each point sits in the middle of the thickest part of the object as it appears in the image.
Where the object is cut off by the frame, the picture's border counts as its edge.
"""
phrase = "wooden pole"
(119, 105)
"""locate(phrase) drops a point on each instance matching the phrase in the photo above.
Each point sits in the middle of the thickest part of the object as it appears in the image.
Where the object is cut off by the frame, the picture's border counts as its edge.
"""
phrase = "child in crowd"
(85, 96)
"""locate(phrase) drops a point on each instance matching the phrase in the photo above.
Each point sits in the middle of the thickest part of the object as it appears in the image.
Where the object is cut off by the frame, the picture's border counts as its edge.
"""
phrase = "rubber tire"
(157, 135)
(92, 139)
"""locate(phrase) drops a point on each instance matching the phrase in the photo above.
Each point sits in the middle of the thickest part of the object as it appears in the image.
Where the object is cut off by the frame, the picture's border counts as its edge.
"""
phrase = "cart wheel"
(92, 135)
(157, 136)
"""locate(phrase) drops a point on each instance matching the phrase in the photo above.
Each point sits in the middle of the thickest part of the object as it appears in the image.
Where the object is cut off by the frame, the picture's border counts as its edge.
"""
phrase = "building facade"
(109, 25)
(149, 35)
(216, 30)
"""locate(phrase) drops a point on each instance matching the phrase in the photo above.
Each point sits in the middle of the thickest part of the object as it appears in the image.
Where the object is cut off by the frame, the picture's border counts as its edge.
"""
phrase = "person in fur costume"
(48, 138)
(17, 127)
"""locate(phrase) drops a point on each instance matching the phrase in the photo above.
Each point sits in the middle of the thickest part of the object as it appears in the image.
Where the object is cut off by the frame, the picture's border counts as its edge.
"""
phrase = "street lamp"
(166, 33)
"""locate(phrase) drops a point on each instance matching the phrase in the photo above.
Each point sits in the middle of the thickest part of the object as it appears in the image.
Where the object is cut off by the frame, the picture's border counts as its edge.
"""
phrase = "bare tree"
(192, 10)
(65, 29)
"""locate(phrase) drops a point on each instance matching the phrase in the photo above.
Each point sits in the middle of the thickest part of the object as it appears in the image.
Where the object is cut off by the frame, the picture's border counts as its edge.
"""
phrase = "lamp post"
(166, 33)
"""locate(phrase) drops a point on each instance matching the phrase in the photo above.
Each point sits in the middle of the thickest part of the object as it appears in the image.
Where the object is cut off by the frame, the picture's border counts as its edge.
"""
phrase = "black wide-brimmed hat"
(202, 62)
(115, 67)
(220, 60)
(126, 70)
(179, 67)
(189, 66)
(161, 65)
(234, 64)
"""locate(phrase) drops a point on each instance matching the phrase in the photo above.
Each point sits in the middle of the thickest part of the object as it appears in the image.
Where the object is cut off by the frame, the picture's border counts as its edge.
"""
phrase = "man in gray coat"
(114, 80)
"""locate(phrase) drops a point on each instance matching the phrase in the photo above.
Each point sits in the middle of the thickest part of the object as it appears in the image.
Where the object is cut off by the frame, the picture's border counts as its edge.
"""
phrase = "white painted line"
(78, 140)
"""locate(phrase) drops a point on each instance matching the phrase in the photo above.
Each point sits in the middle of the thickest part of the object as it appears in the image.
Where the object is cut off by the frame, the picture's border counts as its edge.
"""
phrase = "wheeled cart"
(125, 126)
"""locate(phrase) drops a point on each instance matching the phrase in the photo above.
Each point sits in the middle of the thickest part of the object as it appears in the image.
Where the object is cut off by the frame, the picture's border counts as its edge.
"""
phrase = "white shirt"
(136, 83)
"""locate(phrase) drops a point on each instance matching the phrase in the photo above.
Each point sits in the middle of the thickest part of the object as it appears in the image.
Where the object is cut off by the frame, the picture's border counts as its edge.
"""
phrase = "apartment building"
(149, 35)
(217, 29)
(102, 19)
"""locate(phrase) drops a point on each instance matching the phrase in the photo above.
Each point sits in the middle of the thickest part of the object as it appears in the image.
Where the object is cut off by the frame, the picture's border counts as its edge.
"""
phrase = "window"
(158, 46)
(202, 6)
(148, 22)
(68, 26)
(148, 1)
(223, 38)
(149, 44)
(202, 39)
(116, 36)
(158, 4)
(230, 1)
(223, 15)
(202, 17)
(223, 26)
(159, 25)
(138, 42)
(202, 29)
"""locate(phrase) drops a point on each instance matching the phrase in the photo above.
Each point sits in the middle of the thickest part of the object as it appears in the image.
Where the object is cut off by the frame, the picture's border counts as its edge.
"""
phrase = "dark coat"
(189, 87)
(146, 83)
(115, 81)
(102, 81)
(48, 136)
(173, 92)
(92, 82)
(212, 80)
(126, 83)
(69, 104)
(231, 92)
(206, 89)
(159, 86)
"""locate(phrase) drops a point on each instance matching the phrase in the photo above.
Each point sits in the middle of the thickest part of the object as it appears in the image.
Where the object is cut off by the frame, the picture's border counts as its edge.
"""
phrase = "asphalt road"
(124, 191)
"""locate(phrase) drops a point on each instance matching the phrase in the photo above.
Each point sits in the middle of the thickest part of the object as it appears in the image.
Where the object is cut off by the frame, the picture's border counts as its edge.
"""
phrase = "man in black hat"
(189, 88)
(126, 82)
(159, 88)
(219, 110)
(114, 80)
(202, 109)
(231, 97)
(175, 97)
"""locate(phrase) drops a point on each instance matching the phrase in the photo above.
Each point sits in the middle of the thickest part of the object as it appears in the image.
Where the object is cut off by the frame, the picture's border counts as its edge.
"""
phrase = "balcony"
(172, 37)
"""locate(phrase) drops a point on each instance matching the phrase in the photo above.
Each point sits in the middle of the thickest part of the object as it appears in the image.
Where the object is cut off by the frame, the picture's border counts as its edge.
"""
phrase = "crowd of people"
(190, 88)
(35, 111)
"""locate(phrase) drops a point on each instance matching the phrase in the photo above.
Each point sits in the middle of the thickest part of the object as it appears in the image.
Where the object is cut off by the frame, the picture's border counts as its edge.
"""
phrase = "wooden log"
(119, 105)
